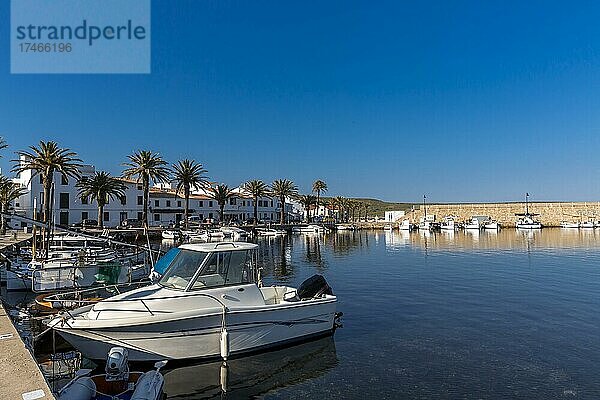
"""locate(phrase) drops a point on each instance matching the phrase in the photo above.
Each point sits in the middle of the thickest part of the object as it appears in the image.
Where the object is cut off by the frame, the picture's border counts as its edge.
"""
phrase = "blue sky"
(462, 100)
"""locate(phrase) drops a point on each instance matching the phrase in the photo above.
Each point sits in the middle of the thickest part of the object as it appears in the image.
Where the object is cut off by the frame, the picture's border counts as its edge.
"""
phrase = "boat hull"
(199, 337)
(529, 226)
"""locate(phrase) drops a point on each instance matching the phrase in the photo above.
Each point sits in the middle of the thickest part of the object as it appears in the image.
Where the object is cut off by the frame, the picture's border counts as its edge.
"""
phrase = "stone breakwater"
(551, 214)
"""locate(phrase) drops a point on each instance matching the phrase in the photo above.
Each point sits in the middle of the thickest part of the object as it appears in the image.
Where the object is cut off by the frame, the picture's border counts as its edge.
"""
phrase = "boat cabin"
(207, 265)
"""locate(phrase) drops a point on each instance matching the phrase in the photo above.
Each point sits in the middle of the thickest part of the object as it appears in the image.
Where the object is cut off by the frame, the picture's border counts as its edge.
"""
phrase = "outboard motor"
(315, 286)
(117, 368)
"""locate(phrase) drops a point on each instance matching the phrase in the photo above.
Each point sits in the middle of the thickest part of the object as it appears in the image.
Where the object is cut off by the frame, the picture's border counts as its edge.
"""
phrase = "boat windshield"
(182, 269)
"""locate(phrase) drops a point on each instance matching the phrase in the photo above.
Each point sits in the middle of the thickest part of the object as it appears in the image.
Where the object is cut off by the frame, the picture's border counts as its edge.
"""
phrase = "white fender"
(224, 344)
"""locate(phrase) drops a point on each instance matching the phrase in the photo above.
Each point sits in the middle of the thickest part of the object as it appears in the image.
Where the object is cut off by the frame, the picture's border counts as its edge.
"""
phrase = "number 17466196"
(45, 47)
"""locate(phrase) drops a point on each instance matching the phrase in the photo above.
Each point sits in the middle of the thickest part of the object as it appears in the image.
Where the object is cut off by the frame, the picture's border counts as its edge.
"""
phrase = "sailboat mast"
(425, 206)
(527, 203)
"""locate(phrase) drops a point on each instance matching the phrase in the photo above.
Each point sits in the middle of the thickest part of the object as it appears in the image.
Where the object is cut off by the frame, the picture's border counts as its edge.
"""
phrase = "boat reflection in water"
(253, 375)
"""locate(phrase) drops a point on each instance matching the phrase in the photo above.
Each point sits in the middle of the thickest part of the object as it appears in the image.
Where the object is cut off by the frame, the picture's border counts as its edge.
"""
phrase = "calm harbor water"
(488, 315)
(446, 315)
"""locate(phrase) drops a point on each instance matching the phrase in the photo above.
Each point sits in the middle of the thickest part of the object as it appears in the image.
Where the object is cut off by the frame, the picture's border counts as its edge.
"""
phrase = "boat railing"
(78, 297)
(67, 276)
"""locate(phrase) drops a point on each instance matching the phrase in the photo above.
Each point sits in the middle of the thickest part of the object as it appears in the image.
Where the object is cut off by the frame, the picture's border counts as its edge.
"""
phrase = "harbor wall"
(551, 214)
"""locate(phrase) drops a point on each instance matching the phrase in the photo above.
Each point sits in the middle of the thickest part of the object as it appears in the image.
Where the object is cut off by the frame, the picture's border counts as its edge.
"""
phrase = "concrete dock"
(20, 375)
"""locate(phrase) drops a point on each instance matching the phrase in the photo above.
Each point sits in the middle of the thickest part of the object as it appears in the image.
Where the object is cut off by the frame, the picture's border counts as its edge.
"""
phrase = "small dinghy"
(171, 235)
(117, 383)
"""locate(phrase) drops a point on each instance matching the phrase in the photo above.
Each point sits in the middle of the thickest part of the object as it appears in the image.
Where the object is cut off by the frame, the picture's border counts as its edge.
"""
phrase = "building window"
(210, 204)
(271, 203)
(178, 203)
(210, 215)
(41, 179)
(140, 216)
(106, 216)
(232, 201)
(123, 200)
(84, 200)
(17, 205)
(157, 217)
(64, 200)
(140, 201)
(244, 203)
(84, 215)
(168, 203)
(139, 187)
(156, 203)
(41, 198)
(201, 203)
(64, 180)
(260, 203)
(201, 216)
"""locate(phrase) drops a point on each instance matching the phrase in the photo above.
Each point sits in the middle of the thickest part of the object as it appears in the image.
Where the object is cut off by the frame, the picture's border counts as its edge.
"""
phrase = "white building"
(165, 206)
(393, 216)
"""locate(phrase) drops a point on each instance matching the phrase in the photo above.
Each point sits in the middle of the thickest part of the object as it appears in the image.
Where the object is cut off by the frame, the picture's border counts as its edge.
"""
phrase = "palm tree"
(366, 207)
(9, 191)
(221, 193)
(45, 160)
(188, 174)
(307, 201)
(339, 204)
(101, 187)
(144, 165)
(256, 188)
(3, 144)
(319, 187)
(352, 206)
(283, 188)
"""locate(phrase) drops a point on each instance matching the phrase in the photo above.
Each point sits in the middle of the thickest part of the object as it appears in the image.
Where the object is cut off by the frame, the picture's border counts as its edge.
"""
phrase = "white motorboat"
(405, 225)
(210, 302)
(388, 227)
(491, 225)
(425, 225)
(473, 224)
(312, 228)
(77, 269)
(569, 225)
(270, 232)
(345, 227)
(234, 232)
(169, 234)
(448, 224)
(589, 224)
(191, 236)
(117, 383)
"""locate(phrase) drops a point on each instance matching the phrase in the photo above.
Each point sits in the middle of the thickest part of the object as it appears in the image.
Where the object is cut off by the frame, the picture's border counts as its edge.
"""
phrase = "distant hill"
(379, 207)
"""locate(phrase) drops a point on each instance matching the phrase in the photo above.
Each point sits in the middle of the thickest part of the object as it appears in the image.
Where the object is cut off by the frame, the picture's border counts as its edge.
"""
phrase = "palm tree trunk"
(3, 221)
(47, 208)
(255, 210)
(316, 214)
(146, 183)
(100, 215)
(187, 205)
(282, 216)
(221, 213)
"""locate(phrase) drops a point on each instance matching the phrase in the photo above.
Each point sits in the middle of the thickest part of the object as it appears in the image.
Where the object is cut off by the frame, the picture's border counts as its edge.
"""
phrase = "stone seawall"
(551, 214)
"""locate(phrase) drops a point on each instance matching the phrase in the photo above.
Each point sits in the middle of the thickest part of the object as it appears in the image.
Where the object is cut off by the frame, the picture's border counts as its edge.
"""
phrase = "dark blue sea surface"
(445, 316)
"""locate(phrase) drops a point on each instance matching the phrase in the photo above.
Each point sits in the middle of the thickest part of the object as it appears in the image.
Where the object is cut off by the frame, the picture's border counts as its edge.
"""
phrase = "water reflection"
(505, 239)
(252, 376)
